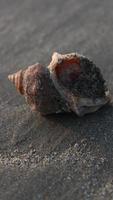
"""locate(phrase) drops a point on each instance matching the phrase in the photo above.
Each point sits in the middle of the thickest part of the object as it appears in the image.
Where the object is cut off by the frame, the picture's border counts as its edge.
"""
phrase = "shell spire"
(17, 80)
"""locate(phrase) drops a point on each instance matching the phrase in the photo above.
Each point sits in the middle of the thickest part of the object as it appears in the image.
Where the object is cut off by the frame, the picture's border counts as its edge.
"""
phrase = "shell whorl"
(17, 80)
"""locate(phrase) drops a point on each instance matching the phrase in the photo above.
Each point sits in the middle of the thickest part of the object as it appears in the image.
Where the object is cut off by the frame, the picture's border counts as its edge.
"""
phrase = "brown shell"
(51, 89)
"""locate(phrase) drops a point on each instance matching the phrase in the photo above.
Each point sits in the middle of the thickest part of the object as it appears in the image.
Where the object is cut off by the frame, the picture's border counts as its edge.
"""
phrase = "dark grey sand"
(61, 157)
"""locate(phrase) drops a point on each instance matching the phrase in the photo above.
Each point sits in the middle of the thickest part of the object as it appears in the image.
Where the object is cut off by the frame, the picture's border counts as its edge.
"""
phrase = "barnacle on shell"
(71, 82)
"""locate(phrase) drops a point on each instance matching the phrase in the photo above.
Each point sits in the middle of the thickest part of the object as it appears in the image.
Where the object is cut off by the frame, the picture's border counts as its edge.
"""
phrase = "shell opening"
(68, 71)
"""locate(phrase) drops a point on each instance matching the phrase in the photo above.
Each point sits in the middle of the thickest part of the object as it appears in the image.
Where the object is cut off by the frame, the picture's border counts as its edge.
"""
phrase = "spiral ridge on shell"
(17, 80)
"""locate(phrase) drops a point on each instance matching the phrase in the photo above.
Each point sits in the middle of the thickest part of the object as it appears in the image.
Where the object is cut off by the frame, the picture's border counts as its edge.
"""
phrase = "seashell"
(71, 83)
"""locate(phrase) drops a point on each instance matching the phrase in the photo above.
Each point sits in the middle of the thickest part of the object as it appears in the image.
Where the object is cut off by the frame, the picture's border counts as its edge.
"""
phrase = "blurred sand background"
(61, 157)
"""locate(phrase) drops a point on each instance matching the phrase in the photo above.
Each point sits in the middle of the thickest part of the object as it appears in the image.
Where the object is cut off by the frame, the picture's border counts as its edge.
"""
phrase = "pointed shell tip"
(10, 77)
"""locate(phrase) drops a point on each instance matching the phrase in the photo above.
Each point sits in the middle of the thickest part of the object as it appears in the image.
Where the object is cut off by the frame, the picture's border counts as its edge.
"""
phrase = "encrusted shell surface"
(79, 82)
(71, 82)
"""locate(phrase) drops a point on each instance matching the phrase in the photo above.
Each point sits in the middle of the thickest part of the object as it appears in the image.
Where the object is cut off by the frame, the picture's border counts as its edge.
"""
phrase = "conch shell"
(71, 83)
